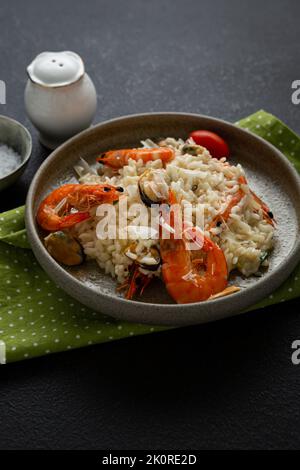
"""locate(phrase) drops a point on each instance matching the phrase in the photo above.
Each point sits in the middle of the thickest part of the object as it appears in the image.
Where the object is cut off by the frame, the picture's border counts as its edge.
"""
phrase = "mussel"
(192, 149)
(149, 260)
(64, 248)
(154, 186)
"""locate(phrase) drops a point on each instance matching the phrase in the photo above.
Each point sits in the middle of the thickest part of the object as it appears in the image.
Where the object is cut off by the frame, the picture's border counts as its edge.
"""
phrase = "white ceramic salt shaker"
(60, 98)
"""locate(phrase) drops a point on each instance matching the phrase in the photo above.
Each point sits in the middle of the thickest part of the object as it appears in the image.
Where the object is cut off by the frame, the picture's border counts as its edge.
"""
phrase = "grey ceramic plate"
(269, 173)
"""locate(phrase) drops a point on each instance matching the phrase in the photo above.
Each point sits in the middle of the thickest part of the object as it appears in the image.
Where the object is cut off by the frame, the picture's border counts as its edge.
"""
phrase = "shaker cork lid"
(55, 69)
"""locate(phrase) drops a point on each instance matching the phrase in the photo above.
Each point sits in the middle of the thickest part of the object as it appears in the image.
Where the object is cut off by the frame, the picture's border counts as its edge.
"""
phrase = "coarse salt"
(9, 160)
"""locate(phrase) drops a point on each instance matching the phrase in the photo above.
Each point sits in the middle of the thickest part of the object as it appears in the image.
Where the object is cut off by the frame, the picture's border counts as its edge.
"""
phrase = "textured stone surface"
(229, 384)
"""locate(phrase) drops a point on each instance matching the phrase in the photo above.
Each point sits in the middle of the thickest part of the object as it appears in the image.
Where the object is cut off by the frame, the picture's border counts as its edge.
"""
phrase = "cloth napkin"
(38, 318)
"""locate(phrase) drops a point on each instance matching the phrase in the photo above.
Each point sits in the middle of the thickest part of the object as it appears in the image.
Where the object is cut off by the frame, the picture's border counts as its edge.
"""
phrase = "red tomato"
(216, 146)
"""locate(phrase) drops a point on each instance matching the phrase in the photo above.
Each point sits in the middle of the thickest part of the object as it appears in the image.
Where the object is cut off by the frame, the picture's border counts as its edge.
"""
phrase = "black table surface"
(229, 384)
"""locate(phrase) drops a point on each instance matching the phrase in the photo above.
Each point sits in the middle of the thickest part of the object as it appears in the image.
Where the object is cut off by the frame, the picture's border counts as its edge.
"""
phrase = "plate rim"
(267, 283)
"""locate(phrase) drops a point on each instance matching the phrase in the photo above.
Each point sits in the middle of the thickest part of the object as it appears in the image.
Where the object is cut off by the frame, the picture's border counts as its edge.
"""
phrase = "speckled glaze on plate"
(269, 173)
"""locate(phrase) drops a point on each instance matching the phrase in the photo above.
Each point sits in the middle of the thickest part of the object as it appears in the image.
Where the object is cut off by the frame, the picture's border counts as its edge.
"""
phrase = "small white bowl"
(15, 135)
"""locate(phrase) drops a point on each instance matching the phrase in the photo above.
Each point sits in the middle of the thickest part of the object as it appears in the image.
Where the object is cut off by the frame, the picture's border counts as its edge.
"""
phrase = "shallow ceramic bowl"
(16, 136)
(269, 173)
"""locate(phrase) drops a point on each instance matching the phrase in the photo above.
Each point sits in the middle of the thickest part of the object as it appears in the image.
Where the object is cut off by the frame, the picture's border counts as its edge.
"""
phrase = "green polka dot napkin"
(38, 318)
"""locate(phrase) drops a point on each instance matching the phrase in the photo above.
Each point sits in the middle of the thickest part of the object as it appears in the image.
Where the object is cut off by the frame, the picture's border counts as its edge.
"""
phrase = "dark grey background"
(225, 385)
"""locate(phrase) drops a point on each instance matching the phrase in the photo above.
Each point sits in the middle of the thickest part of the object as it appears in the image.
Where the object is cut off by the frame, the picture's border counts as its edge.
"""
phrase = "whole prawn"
(73, 196)
(192, 275)
(117, 159)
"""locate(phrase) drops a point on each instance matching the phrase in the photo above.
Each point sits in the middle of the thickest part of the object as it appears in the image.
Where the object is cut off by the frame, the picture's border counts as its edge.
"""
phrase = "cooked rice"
(245, 238)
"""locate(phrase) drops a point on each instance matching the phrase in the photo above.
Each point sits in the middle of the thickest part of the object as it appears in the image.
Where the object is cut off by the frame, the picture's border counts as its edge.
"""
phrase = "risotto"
(246, 237)
(125, 214)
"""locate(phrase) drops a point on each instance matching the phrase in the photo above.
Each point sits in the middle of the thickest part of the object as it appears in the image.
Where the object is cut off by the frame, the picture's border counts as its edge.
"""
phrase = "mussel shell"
(146, 198)
(192, 149)
(154, 254)
(152, 267)
(148, 202)
(64, 248)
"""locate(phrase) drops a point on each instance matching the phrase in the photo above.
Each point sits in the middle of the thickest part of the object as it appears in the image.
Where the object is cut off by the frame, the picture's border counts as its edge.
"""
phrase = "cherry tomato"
(216, 146)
